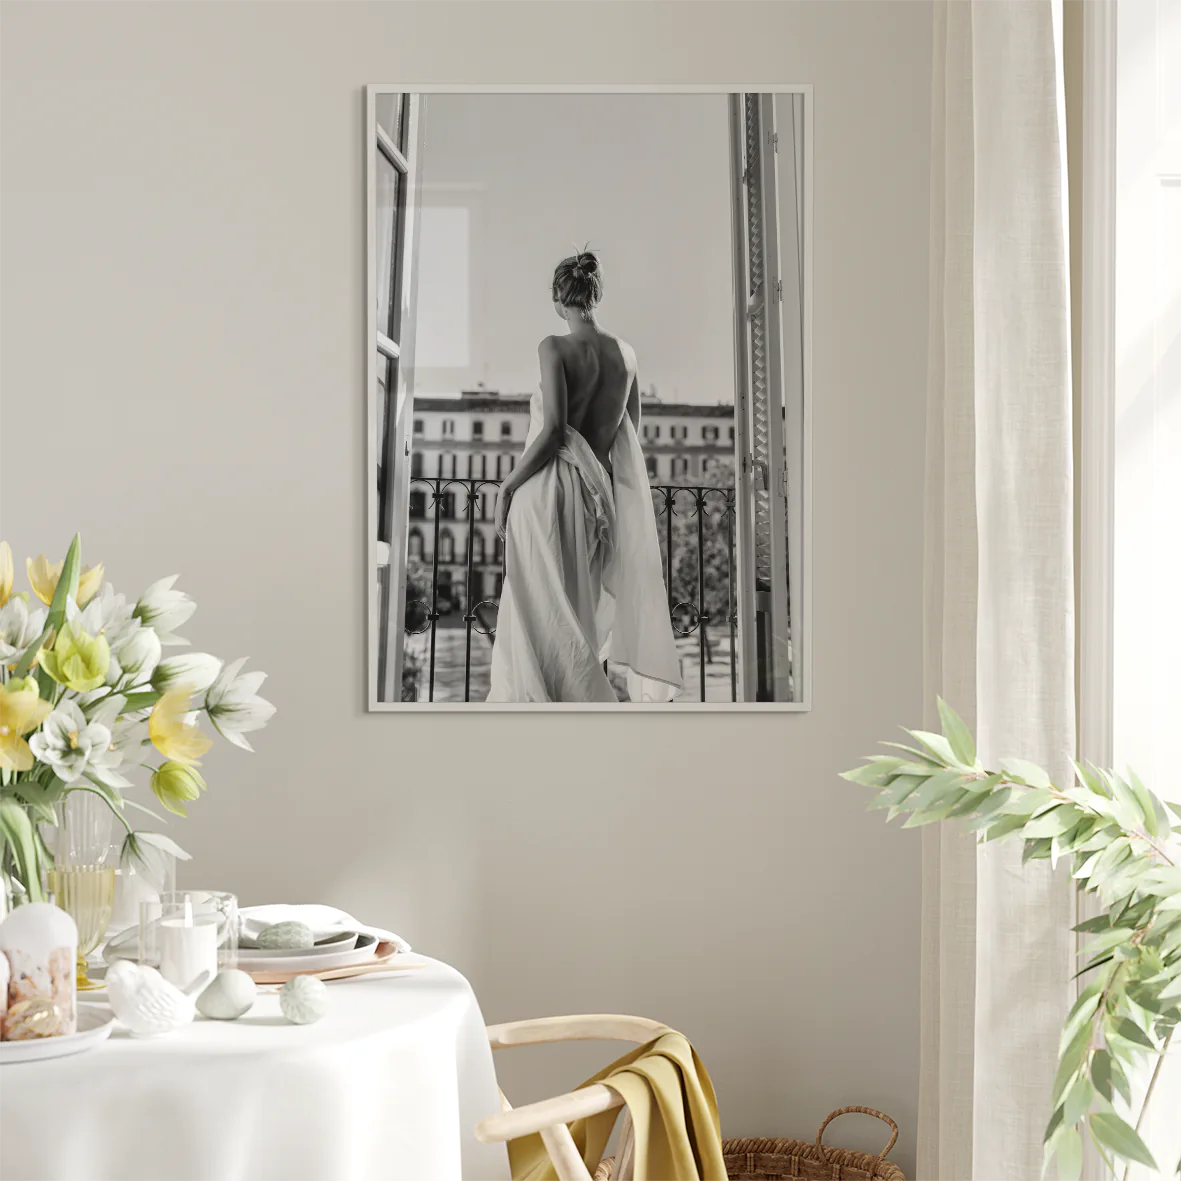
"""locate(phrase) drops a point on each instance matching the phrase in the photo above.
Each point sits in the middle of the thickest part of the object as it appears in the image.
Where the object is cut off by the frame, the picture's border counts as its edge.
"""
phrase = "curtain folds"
(999, 627)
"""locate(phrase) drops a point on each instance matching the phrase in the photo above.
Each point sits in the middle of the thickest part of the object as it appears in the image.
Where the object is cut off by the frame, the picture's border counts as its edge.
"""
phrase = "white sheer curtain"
(999, 575)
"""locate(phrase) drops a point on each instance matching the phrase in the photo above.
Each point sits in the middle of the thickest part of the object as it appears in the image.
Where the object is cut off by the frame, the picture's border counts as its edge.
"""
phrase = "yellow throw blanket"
(673, 1108)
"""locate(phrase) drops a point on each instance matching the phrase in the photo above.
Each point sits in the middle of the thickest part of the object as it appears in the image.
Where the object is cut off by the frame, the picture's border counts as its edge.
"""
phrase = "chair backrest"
(550, 1117)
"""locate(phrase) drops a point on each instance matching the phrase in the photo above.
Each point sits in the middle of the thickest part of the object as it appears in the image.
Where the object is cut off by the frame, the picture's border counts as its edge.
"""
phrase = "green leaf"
(1003, 827)
(1101, 1074)
(1025, 772)
(1126, 1028)
(1108, 940)
(1036, 850)
(40, 797)
(1119, 1079)
(1150, 806)
(867, 775)
(1121, 1138)
(138, 701)
(1070, 1156)
(17, 829)
(1081, 1012)
(1069, 1064)
(936, 744)
(958, 735)
(1078, 1101)
(1100, 922)
(1053, 822)
(1089, 779)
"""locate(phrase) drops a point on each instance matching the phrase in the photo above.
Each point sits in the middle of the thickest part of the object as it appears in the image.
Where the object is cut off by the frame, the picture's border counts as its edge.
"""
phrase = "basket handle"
(823, 1150)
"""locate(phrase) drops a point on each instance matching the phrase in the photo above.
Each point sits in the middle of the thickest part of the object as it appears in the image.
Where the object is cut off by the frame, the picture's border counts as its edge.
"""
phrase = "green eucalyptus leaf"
(1025, 772)
(1106, 941)
(1050, 824)
(1069, 1156)
(1003, 827)
(1036, 850)
(1127, 1029)
(936, 744)
(1122, 1139)
(867, 775)
(1077, 1102)
(1089, 779)
(958, 736)
(1101, 1074)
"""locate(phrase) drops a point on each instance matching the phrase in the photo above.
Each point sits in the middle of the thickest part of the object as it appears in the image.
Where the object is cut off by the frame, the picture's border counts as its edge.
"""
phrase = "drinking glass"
(82, 880)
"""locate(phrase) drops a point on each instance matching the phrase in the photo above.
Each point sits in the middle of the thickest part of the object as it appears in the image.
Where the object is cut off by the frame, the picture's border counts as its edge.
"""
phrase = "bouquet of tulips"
(88, 697)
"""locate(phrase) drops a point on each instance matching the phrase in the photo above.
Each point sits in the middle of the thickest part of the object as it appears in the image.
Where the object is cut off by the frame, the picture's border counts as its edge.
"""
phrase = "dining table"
(388, 1086)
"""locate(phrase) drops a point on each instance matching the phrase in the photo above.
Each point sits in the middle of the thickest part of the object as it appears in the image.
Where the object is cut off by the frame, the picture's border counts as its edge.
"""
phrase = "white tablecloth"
(387, 1087)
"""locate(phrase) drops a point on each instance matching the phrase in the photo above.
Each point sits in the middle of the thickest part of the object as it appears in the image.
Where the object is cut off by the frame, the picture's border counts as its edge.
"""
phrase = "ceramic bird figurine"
(147, 1003)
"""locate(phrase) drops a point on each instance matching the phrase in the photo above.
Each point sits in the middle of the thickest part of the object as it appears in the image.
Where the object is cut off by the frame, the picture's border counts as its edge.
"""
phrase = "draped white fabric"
(999, 575)
(584, 582)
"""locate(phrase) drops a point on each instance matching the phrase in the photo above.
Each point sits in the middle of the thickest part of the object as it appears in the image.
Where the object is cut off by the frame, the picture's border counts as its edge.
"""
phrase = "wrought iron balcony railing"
(454, 583)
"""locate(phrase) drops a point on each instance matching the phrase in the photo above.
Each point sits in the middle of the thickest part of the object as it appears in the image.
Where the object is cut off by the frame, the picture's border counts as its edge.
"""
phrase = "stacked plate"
(334, 952)
(346, 950)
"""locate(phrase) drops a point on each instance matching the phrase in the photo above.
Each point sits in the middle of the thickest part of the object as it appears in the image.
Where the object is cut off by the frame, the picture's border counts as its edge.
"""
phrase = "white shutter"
(764, 649)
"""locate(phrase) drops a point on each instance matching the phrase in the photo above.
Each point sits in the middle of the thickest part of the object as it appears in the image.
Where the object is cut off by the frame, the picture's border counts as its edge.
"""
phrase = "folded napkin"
(325, 921)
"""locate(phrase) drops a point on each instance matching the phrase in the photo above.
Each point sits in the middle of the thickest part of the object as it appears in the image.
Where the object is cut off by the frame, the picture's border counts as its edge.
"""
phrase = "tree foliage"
(1119, 840)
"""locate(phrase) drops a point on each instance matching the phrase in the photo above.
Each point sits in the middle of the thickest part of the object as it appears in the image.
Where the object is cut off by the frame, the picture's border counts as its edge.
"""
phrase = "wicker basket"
(770, 1160)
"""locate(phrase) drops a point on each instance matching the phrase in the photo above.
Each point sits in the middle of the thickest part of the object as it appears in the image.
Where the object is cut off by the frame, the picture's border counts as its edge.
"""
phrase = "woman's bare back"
(600, 371)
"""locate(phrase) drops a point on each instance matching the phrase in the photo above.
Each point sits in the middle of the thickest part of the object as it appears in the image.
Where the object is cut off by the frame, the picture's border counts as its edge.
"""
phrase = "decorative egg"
(229, 996)
(290, 936)
(303, 999)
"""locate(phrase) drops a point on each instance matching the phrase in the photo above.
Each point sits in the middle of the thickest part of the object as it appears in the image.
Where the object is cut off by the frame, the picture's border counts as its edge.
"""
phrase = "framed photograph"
(588, 360)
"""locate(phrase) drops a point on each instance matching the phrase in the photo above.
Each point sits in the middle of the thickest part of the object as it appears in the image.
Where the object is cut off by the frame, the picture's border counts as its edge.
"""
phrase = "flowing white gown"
(583, 580)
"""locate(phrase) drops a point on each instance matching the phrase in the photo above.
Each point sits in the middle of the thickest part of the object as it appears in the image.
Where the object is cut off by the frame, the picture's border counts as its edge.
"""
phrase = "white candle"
(187, 949)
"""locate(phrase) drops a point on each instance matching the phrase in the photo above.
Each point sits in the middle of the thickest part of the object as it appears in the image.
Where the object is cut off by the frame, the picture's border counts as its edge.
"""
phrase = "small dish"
(95, 1023)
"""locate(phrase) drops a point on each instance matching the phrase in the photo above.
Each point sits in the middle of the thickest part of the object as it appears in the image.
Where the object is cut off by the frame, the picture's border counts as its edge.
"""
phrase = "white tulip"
(234, 706)
(67, 743)
(19, 627)
(108, 614)
(198, 670)
(164, 610)
(137, 655)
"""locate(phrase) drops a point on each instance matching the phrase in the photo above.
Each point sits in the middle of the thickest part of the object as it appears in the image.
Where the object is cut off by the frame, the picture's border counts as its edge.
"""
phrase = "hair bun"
(587, 262)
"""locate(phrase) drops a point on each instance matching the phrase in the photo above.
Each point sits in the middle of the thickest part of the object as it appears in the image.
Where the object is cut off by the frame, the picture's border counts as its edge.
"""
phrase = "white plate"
(345, 941)
(95, 1023)
(311, 959)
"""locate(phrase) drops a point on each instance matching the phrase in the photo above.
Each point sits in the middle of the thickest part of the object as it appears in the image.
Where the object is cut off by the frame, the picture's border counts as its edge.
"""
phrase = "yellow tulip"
(21, 710)
(43, 576)
(77, 659)
(171, 735)
(5, 572)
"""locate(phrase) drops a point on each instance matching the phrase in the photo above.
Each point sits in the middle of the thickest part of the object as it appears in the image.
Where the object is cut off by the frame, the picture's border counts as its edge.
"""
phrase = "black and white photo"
(589, 397)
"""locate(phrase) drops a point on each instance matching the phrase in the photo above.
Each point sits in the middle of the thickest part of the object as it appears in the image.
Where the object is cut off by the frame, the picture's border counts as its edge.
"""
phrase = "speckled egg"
(303, 999)
(290, 936)
(229, 996)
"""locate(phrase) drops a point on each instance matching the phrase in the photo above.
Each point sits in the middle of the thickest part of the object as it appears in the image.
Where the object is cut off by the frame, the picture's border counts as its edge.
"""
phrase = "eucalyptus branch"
(1116, 835)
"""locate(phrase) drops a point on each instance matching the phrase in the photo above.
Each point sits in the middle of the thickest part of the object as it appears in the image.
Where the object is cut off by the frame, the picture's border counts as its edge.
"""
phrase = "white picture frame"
(801, 477)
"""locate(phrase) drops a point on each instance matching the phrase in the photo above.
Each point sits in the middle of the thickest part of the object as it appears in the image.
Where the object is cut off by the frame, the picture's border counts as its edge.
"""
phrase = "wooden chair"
(550, 1117)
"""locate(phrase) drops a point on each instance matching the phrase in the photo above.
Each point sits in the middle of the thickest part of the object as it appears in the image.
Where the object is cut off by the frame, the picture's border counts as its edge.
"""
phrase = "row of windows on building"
(651, 431)
(506, 428)
(679, 432)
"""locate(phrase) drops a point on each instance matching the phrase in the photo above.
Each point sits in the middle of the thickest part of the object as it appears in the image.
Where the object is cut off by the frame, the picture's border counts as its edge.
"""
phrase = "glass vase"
(82, 880)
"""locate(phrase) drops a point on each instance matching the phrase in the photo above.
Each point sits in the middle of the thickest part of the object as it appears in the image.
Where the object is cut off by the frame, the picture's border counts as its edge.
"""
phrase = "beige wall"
(183, 381)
